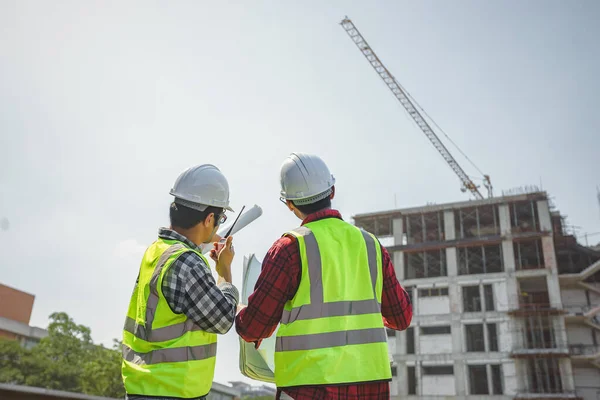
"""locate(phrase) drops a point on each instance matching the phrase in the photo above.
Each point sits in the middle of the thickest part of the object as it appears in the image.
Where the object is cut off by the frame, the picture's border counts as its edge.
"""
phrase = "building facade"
(15, 313)
(251, 391)
(506, 303)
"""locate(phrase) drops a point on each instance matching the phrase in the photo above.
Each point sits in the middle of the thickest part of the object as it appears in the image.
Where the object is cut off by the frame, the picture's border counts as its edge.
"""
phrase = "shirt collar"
(170, 234)
(328, 213)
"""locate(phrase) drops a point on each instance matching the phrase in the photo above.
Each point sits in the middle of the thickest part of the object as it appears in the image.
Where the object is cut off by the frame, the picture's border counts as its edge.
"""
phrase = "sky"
(104, 103)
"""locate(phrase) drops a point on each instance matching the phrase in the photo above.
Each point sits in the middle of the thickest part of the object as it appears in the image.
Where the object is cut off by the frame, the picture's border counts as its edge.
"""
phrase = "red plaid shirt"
(278, 283)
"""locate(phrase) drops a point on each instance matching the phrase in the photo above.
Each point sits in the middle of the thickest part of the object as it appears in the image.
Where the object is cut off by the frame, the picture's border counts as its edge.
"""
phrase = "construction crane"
(412, 108)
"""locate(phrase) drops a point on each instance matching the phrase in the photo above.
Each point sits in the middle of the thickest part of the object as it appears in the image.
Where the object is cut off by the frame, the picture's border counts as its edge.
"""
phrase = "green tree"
(11, 362)
(101, 374)
(58, 359)
(66, 359)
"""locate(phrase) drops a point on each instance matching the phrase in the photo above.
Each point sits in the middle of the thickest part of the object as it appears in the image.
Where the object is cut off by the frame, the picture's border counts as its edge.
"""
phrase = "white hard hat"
(202, 186)
(305, 179)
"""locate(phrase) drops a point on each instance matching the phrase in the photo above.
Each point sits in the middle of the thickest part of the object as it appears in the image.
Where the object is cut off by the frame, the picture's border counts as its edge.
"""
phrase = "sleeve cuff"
(228, 289)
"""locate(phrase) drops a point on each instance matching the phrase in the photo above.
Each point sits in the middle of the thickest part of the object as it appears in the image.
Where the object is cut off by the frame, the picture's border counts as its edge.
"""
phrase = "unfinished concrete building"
(506, 303)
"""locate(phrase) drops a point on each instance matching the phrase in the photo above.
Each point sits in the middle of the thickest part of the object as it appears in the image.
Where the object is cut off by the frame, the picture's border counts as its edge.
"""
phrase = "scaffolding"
(530, 327)
(477, 221)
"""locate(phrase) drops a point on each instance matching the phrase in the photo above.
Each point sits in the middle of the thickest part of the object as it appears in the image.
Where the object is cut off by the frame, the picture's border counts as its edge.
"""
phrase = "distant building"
(247, 390)
(15, 313)
(19, 392)
(506, 302)
(223, 392)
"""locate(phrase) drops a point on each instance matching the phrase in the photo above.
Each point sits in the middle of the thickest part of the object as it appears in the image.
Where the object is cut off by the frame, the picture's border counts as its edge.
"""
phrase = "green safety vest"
(332, 331)
(164, 354)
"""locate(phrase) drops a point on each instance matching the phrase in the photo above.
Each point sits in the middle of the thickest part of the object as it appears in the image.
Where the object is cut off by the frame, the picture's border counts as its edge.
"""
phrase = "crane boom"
(406, 102)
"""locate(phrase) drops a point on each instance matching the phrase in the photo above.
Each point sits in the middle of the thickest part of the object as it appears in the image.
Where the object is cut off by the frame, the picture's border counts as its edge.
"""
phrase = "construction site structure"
(418, 115)
(506, 302)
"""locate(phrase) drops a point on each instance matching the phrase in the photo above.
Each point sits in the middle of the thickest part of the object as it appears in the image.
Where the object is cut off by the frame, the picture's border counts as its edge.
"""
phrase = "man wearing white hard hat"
(332, 288)
(177, 309)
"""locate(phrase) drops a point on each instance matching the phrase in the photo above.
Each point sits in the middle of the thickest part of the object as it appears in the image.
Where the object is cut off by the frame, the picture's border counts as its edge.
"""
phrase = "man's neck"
(188, 234)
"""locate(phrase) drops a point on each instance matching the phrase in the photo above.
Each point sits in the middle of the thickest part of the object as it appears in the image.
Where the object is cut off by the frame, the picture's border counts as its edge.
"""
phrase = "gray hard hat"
(305, 179)
(202, 186)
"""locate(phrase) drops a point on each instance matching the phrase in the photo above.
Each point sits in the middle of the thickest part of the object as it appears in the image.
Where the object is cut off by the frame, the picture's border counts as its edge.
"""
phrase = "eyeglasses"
(221, 218)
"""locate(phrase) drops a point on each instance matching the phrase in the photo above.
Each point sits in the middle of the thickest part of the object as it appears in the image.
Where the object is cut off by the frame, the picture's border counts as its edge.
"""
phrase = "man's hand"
(222, 254)
(240, 307)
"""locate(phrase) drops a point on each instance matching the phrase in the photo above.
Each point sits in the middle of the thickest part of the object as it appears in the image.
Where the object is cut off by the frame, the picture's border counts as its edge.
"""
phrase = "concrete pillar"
(400, 343)
(454, 295)
(544, 220)
(511, 376)
(489, 378)
(418, 376)
(449, 228)
(553, 290)
(457, 336)
(402, 379)
(504, 216)
(451, 262)
(506, 338)
(512, 292)
(460, 379)
(397, 231)
(501, 296)
(549, 254)
(399, 265)
(566, 373)
(508, 256)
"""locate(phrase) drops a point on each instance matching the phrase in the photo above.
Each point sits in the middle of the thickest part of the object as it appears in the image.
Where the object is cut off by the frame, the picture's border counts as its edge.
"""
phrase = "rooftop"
(456, 205)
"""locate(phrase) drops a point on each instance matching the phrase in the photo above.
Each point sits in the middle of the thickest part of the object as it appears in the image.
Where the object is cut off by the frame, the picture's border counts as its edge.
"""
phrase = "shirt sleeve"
(396, 306)
(276, 284)
(190, 289)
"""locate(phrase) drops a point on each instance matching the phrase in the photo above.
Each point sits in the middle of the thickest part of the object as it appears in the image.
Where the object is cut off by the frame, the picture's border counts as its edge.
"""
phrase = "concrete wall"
(392, 344)
(587, 382)
(435, 344)
(573, 297)
(434, 305)
(509, 372)
(394, 386)
(579, 334)
(438, 385)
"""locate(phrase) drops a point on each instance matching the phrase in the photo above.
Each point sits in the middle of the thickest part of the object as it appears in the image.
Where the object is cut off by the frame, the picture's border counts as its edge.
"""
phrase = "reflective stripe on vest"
(161, 348)
(145, 332)
(319, 309)
(178, 354)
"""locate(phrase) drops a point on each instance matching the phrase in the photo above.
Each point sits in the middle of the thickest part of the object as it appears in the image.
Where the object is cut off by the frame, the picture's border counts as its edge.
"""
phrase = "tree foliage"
(66, 359)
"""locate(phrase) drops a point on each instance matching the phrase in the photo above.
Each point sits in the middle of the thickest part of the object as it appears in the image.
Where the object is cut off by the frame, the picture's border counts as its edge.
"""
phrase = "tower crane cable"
(441, 130)
(409, 103)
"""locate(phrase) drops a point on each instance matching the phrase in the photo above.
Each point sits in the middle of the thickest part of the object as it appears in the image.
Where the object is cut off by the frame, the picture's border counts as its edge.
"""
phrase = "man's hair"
(186, 218)
(314, 207)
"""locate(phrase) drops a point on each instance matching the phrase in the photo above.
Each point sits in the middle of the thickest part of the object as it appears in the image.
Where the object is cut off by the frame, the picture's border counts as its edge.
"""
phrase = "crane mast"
(409, 106)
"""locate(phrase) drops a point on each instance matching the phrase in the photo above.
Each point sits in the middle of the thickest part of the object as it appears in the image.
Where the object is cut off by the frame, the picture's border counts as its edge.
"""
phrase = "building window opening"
(524, 216)
(528, 254)
(478, 379)
(480, 260)
(471, 299)
(427, 264)
(435, 330)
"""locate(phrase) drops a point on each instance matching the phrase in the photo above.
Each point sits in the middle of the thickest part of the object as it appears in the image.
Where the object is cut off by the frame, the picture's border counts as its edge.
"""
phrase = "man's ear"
(208, 220)
(290, 205)
(332, 195)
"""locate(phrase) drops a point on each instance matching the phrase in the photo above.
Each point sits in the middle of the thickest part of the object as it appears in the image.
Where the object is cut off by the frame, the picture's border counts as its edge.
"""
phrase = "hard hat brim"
(198, 206)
